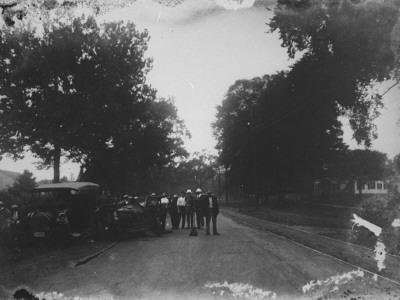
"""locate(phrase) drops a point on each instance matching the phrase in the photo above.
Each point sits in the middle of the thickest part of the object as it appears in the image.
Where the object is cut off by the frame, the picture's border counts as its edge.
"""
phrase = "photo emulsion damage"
(199, 149)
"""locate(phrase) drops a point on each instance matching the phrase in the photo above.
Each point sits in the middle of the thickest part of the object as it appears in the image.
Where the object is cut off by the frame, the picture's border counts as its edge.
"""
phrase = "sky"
(200, 48)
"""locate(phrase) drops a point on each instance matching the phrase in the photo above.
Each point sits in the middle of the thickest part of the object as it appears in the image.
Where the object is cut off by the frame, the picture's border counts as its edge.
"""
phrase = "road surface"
(242, 262)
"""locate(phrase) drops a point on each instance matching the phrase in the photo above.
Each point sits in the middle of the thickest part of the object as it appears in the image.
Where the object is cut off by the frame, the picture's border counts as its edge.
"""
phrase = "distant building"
(7, 179)
(372, 187)
(330, 186)
(395, 183)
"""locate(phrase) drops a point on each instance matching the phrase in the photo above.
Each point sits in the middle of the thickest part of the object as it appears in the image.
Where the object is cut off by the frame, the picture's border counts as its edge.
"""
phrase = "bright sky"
(200, 48)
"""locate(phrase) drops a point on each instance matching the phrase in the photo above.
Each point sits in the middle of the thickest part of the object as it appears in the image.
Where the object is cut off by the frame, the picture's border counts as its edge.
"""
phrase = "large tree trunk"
(56, 159)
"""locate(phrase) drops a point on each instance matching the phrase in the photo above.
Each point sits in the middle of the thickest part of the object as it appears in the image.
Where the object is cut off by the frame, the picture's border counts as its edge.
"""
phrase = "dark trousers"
(182, 215)
(210, 216)
(199, 218)
(174, 217)
(189, 216)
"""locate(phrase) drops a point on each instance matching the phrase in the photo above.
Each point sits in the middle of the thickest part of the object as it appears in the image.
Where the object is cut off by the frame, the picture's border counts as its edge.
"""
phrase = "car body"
(62, 209)
(122, 217)
(77, 209)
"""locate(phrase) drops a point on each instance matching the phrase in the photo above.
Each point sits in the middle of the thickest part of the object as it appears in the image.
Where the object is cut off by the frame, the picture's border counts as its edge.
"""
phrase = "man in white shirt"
(163, 210)
(181, 203)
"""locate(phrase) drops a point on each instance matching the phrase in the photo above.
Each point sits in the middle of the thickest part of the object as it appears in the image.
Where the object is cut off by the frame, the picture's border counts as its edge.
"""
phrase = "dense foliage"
(79, 90)
(280, 132)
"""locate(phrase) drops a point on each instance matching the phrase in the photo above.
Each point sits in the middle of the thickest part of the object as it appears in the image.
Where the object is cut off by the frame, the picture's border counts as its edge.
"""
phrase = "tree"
(136, 157)
(348, 45)
(282, 137)
(235, 131)
(80, 90)
(24, 183)
(396, 163)
(362, 166)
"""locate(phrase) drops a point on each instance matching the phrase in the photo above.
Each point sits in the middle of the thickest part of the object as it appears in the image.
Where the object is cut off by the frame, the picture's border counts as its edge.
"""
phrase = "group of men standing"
(199, 207)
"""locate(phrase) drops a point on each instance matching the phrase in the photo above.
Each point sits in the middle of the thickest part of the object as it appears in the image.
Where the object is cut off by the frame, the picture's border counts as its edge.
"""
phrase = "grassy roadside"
(335, 221)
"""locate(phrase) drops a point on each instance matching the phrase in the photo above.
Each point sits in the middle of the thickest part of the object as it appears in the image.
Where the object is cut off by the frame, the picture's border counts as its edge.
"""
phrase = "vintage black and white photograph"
(199, 149)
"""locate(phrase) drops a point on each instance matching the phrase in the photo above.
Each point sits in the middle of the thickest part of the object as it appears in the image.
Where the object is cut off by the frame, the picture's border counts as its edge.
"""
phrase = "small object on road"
(193, 232)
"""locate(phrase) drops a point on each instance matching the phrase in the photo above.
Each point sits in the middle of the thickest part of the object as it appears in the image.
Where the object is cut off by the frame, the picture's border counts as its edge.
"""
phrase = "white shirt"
(164, 200)
(181, 201)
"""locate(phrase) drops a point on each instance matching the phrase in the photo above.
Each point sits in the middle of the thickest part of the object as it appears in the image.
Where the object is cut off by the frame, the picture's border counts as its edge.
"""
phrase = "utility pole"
(226, 186)
(219, 183)
(253, 145)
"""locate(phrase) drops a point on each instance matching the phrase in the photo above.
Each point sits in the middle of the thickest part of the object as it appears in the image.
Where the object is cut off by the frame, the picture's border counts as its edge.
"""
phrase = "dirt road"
(242, 262)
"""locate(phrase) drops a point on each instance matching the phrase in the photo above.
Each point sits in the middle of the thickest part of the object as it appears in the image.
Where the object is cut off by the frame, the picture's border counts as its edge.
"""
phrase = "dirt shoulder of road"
(354, 255)
(43, 257)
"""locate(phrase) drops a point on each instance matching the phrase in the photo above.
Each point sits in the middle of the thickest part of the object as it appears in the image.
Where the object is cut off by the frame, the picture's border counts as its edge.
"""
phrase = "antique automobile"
(62, 209)
(124, 217)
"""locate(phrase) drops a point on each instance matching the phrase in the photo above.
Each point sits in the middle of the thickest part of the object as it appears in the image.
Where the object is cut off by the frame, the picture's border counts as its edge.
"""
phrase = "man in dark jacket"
(211, 211)
(189, 208)
(198, 199)
(173, 212)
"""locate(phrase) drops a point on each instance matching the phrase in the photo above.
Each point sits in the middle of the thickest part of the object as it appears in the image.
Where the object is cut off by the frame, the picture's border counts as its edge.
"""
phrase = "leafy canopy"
(79, 90)
(349, 45)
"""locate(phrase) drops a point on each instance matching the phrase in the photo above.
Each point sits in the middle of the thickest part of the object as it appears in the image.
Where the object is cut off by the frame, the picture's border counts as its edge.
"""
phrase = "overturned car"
(115, 218)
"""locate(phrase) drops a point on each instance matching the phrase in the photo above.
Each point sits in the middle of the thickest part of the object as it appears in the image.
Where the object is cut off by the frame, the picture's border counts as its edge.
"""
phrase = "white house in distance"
(7, 179)
(373, 187)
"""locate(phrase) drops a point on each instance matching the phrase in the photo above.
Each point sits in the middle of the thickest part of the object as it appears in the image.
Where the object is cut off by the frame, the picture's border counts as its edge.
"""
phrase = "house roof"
(12, 175)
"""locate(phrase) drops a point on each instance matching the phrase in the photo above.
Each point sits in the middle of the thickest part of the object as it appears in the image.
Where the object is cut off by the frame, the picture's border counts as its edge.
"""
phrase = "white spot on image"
(235, 4)
(361, 222)
(396, 223)
(380, 254)
(159, 16)
(336, 280)
(60, 296)
(191, 84)
(376, 277)
(240, 290)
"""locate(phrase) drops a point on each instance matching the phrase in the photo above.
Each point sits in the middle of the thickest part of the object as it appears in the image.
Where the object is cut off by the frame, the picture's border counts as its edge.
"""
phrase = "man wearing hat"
(181, 203)
(211, 211)
(198, 209)
(189, 208)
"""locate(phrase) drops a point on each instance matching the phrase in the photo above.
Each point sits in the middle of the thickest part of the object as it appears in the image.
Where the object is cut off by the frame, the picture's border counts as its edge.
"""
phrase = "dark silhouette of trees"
(79, 90)
(280, 132)
(348, 46)
(24, 183)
